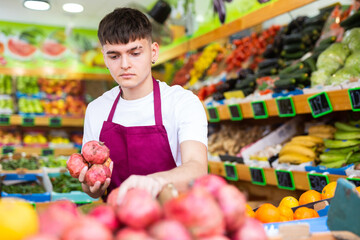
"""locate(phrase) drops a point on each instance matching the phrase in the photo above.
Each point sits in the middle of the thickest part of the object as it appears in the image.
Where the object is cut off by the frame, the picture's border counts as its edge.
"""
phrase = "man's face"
(130, 64)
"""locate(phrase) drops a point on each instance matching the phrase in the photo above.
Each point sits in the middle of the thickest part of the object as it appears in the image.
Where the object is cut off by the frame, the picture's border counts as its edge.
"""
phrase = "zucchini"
(285, 83)
(295, 55)
(293, 38)
(310, 62)
(267, 71)
(248, 90)
(249, 81)
(312, 30)
(318, 19)
(354, 25)
(294, 47)
(299, 77)
(269, 52)
(355, 18)
(327, 41)
(292, 68)
(274, 62)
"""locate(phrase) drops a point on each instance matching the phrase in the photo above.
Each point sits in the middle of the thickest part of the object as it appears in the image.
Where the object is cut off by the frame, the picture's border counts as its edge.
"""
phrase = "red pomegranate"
(252, 229)
(212, 183)
(95, 152)
(216, 237)
(132, 234)
(41, 236)
(75, 164)
(106, 215)
(138, 209)
(112, 197)
(168, 230)
(198, 211)
(97, 172)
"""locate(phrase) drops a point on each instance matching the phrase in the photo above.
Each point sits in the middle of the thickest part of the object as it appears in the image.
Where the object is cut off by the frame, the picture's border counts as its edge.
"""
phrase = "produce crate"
(322, 169)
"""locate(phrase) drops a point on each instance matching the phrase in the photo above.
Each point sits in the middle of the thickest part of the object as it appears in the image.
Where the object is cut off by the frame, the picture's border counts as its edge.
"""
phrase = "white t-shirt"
(183, 115)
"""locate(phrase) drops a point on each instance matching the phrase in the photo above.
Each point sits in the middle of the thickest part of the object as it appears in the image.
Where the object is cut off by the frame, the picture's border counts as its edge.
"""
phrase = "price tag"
(47, 152)
(28, 121)
(317, 181)
(285, 179)
(355, 181)
(7, 150)
(235, 112)
(354, 94)
(285, 107)
(257, 176)
(320, 104)
(55, 122)
(231, 172)
(259, 110)
(213, 114)
(4, 120)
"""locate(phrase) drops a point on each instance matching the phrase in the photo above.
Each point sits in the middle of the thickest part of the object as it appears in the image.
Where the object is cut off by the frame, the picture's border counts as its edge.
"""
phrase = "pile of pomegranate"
(95, 155)
(210, 210)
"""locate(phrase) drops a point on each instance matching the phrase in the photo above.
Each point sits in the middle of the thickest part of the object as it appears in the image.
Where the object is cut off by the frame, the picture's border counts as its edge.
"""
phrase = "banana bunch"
(344, 148)
(300, 149)
(322, 131)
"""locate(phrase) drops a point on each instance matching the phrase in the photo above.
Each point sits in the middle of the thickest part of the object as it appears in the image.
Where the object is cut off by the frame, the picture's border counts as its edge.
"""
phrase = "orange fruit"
(305, 212)
(267, 213)
(289, 201)
(358, 189)
(309, 196)
(249, 211)
(286, 213)
(328, 191)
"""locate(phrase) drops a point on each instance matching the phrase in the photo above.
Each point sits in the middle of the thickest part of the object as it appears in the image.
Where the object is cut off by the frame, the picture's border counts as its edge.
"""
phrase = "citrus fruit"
(358, 189)
(289, 201)
(18, 219)
(309, 196)
(267, 213)
(305, 212)
(249, 211)
(328, 191)
(286, 213)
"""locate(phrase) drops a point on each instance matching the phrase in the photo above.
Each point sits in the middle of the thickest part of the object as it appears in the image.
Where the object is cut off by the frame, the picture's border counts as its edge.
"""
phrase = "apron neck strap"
(157, 104)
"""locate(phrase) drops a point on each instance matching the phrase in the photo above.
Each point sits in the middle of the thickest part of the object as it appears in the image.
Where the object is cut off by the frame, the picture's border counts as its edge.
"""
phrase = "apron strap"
(111, 115)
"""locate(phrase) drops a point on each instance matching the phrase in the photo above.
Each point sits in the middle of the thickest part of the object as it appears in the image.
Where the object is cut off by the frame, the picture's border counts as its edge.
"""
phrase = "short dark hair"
(124, 25)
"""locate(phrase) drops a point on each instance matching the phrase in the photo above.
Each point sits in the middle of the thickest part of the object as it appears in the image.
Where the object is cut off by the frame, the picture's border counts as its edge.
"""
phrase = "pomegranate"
(233, 205)
(169, 230)
(252, 229)
(75, 164)
(42, 237)
(58, 216)
(138, 209)
(87, 228)
(216, 237)
(198, 211)
(112, 197)
(95, 152)
(97, 172)
(106, 215)
(132, 234)
(211, 182)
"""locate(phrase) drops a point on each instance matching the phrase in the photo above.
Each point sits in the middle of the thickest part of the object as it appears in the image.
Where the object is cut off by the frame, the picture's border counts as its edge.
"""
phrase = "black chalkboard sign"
(355, 181)
(354, 94)
(7, 150)
(259, 110)
(285, 179)
(317, 181)
(47, 152)
(231, 172)
(285, 107)
(235, 112)
(55, 122)
(320, 104)
(28, 121)
(4, 120)
(257, 176)
(213, 114)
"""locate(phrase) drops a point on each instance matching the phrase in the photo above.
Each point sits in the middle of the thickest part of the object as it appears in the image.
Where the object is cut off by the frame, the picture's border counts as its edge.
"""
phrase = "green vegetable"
(352, 39)
(24, 188)
(333, 57)
(343, 75)
(30, 164)
(349, 21)
(319, 77)
(285, 83)
(65, 183)
(353, 61)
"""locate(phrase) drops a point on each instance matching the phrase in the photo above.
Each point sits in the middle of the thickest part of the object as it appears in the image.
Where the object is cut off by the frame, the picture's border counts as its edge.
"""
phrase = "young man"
(156, 134)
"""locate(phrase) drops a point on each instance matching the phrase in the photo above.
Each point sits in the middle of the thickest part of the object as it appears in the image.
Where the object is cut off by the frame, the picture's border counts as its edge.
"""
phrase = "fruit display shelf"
(55, 121)
(40, 151)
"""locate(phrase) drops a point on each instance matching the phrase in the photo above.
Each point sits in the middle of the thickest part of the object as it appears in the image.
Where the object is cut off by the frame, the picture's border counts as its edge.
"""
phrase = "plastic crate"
(322, 169)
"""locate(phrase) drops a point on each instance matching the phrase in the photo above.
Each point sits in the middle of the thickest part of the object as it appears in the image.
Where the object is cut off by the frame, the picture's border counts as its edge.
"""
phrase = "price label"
(317, 181)
(55, 122)
(354, 94)
(285, 179)
(47, 152)
(355, 181)
(4, 120)
(259, 110)
(257, 176)
(320, 104)
(235, 112)
(213, 114)
(231, 172)
(28, 121)
(7, 150)
(285, 107)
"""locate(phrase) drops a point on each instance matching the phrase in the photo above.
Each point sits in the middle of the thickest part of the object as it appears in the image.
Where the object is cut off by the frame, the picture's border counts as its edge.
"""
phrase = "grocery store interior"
(279, 81)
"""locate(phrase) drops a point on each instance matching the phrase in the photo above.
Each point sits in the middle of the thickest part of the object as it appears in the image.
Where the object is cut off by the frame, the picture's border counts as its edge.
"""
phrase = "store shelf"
(339, 99)
(300, 178)
(267, 12)
(45, 121)
(41, 151)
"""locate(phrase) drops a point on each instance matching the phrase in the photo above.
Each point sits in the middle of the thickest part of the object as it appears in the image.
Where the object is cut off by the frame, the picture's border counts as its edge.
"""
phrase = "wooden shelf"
(265, 13)
(39, 150)
(45, 121)
(340, 101)
(300, 178)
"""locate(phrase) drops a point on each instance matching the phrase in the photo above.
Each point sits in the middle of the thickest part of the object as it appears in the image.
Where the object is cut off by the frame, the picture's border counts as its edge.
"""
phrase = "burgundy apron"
(139, 150)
